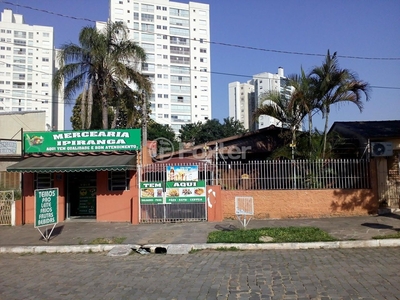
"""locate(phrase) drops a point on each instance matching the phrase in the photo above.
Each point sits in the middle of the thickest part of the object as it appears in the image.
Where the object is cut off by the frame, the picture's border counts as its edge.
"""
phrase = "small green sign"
(82, 141)
(186, 192)
(46, 207)
(151, 193)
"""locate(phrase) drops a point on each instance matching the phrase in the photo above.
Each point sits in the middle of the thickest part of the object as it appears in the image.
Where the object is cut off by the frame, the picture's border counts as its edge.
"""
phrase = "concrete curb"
(186, 248)
(298, 246)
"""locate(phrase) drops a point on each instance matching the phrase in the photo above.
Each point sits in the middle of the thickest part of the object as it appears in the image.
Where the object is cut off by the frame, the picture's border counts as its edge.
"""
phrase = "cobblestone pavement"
(74, 233)
(273, 274)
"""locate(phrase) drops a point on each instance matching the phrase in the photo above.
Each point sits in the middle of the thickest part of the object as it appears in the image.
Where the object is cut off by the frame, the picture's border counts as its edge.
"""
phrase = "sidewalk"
(81, 232)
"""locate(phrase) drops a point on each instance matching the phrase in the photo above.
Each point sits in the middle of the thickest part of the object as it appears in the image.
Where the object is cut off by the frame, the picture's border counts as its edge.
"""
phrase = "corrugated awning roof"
(75, 163)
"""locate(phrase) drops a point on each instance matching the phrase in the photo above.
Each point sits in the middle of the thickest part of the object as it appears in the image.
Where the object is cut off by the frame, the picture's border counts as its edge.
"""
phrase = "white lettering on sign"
(50, 193)
(152, 185)
(46, 221)
(90, 142)
(185, 184)
(86, 134)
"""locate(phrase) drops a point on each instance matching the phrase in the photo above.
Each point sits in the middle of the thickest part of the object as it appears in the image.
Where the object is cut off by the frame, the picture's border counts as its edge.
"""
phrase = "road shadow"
(56, 232)
(377, 226)
(229, 227)
(391, 215)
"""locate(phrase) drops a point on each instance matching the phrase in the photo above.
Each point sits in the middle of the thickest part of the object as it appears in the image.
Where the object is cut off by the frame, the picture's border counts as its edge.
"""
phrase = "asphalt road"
(366, 273)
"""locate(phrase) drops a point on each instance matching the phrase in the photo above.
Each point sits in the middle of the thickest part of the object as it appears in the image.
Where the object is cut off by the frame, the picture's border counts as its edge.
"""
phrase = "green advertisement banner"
(82, 141)
(186, 192)
(151, 193)
(46, 207)
(175, 192)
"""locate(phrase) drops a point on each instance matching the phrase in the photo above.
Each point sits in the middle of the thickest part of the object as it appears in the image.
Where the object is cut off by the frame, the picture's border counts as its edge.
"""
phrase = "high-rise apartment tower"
(245, 98)
(26, 69)
(176, 39)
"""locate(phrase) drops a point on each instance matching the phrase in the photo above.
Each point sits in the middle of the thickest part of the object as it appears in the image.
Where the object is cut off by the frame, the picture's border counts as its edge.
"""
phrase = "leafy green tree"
(200, 133)
(303, 95)
(335, 86)
(190, 132)
(130, 113)
(104, 64)
(284, 109)
(76, 120)
(156, 131)
(231, 127)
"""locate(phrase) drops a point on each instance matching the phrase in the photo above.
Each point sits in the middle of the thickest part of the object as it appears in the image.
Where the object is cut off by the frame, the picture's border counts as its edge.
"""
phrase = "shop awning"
(75, 163)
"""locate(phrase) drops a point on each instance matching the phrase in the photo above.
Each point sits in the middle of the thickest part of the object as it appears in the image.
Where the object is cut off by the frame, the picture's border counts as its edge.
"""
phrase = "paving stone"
(120, 251)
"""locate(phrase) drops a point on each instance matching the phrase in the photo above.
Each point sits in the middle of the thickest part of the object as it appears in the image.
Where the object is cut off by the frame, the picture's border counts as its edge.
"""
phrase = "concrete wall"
(302, 203)
(281, 204)
(117, 206)
(11, 124)
(112, 206)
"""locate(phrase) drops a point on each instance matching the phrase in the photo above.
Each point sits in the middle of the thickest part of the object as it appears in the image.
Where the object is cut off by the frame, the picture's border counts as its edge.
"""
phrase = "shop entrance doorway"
(81, 195)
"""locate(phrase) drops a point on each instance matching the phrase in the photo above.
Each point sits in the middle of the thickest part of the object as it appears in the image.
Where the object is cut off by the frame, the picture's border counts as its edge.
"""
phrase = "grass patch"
(227, 249)
(195, 251)
(279, 235)
(388, 236)
(113, 240)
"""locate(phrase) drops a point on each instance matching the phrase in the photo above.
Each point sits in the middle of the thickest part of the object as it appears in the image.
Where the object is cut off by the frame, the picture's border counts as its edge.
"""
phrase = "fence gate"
(6, 201)
(173, 193)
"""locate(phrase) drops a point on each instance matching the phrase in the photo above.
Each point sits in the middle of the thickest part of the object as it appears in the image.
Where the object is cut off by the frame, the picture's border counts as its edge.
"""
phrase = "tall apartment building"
(245, 98)
(26, 69)
(241, 99)
(176, 39)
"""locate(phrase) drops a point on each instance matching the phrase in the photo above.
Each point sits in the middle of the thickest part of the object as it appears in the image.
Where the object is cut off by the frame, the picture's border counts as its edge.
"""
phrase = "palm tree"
(335, 85)
(303, 95)
(105, 63)
(282, 108)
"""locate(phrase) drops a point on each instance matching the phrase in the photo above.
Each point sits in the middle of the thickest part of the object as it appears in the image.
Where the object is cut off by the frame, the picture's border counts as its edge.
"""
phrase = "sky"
(254, 36)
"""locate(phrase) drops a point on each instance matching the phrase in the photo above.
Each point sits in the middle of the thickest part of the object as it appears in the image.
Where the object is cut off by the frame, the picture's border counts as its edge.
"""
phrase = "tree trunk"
(293, 146)
(325, 132)
(83, 108)
(104, 110)
(116, 113)
(104, 104)
(89, 106)
(310, 131)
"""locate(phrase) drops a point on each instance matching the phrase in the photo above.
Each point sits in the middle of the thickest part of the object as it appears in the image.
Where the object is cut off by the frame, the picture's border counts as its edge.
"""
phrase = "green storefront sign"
(46, 207)
(151, 193)
(82, 141)
(186, 191)
(175, 192)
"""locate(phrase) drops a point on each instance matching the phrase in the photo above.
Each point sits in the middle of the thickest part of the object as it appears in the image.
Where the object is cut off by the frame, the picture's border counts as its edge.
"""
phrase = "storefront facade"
(94, 171)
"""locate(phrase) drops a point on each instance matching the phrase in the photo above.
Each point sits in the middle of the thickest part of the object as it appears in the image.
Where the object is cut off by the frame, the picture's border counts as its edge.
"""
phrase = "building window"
(43, 180)
(118, 180)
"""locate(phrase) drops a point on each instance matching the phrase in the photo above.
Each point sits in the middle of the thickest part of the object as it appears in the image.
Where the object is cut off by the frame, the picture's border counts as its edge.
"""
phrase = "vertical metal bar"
(139, 175)
(205, 203)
